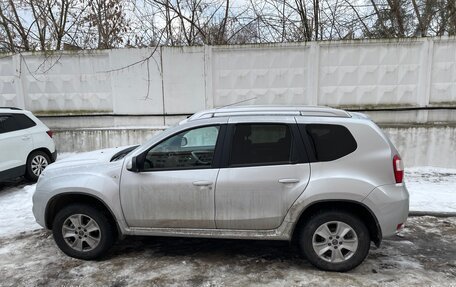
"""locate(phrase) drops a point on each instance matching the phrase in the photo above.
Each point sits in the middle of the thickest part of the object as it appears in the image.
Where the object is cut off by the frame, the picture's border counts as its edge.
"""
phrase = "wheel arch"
(56, 203)
(43, 149)
(353, 207)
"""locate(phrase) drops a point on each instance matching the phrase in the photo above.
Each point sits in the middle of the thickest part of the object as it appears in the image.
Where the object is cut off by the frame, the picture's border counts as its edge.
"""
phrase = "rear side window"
(330, 142)
(261, 144)
(14, 122)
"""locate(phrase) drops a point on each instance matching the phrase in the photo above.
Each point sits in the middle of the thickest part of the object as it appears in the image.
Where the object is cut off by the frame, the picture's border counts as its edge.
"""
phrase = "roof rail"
(11, 108)
(309, 111)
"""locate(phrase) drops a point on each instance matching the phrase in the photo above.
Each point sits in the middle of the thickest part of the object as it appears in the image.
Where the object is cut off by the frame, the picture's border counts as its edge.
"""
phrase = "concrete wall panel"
(263, 74)
(66, 82)
(443, 84)
(136, 81)
(184, 80)
(425, 146)
(8, 81)
(368, 74)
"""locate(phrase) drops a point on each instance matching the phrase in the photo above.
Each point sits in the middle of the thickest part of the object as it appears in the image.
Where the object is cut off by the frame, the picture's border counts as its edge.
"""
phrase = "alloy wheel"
(335, 241)
(81, 232)
(38, 164)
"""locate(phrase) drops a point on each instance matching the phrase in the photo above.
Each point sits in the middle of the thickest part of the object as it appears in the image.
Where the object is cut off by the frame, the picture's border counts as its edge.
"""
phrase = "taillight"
(50, 133)
(398, 168)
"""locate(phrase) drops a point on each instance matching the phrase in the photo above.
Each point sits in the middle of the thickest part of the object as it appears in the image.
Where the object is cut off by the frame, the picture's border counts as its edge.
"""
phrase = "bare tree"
(58, 13)
(301, 8)
(7, 40)
(14, 26)
(27, 25)
(109, 20)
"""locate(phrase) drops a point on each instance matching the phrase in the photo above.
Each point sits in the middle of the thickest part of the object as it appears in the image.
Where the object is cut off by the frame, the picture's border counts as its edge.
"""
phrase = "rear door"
(266, 170)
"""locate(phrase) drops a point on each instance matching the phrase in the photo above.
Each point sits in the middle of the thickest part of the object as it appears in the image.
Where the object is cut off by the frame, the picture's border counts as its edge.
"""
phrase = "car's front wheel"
(83, 232)
(36, 163)
(334, 241)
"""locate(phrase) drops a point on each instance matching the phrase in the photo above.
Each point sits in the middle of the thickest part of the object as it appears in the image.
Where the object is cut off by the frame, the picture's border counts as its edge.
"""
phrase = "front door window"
(186, 150)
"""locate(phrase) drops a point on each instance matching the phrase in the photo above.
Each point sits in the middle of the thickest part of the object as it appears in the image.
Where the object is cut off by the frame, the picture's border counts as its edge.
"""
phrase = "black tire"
(37, 156)
(333, 219)
(105, 235)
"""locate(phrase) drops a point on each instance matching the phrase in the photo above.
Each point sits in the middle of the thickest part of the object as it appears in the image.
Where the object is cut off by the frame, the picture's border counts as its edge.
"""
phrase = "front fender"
(104, 187)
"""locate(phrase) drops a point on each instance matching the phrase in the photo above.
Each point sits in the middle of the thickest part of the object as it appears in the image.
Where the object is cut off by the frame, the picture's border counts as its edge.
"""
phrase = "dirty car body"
(328, 178)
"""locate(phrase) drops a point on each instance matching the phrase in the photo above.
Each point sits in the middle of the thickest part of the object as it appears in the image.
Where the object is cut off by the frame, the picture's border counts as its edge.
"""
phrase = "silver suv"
(327, 178)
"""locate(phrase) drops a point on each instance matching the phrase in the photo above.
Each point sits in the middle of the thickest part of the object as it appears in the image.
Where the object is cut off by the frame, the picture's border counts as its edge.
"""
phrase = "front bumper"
(390, 204)
(38, 209)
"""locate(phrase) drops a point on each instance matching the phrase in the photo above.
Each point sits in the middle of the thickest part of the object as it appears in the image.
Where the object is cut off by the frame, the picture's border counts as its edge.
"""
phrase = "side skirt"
(12, 173)
(210, 233)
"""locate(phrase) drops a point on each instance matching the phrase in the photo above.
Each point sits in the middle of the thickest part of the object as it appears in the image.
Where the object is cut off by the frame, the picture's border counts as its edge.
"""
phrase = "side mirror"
(136, 163)
(132, 164)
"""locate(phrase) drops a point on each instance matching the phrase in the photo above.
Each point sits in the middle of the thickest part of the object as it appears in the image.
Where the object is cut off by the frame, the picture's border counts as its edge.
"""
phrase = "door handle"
(288, 180)
(25, 138)
(202, 183)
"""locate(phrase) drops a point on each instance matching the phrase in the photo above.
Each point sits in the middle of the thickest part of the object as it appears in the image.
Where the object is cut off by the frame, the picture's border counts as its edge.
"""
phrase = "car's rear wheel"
(83, 232)
(335, 241)
(36, 163)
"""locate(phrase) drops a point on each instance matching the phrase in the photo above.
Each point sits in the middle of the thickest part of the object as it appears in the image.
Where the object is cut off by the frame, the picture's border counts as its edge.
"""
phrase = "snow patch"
(431, 189)
(16, 211)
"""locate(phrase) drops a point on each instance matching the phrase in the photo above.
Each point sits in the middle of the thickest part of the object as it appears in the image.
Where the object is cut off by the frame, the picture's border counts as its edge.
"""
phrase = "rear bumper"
(390, 204)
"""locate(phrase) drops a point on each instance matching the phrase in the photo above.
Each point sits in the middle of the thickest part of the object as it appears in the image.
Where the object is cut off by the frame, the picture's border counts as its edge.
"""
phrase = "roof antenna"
(236, 103)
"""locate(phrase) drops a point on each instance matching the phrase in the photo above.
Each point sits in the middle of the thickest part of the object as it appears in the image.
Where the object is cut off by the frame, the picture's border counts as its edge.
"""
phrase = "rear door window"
(261, 144)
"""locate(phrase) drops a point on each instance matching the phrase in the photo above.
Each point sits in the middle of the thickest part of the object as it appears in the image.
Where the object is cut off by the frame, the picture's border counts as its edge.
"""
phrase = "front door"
(175, 188)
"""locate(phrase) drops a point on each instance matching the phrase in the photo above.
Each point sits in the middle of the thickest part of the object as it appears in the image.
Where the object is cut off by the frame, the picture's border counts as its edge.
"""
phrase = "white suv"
(26, 145)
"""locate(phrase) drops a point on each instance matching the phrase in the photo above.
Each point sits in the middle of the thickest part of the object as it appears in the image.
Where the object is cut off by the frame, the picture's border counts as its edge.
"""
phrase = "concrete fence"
(103, 98)
(183, 80)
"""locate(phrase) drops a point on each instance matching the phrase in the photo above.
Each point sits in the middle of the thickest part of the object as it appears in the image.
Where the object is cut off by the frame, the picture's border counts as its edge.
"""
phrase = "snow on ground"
(16, 206)
(16, 210)
(420, 257)
(431, 189)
